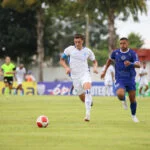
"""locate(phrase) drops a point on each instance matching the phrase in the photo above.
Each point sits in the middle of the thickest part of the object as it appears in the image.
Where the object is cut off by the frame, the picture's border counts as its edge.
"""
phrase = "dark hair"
(77, 36)
(123, 38)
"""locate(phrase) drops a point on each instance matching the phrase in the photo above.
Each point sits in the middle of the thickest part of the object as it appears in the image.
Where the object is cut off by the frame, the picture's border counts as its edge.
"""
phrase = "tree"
(18, 34)
(110, 9)
(135, 40)
(24, 5)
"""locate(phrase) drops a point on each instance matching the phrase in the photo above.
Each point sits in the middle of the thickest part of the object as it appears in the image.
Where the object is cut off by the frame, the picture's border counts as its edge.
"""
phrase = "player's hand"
(68, 70)
(127, 63)
(103, 75)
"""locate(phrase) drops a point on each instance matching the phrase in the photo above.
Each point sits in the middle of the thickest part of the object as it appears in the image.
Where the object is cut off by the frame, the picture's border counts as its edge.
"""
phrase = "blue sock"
(133, 108)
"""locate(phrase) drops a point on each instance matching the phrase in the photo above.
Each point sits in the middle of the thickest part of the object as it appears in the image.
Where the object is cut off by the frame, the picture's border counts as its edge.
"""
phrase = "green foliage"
(111, 9)
(126, 7)
(18, 34)
(101, 56)
(135, 40)
(18, 5)
(64, 21)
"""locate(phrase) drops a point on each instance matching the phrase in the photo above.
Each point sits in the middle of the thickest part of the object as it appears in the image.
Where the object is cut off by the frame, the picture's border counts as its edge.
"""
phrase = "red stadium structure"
(143, 54)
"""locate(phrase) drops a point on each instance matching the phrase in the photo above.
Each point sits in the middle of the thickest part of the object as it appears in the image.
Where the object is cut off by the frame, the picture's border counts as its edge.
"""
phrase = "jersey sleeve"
(113, 55)
(91, 55)
(67, 51)
(135, 57)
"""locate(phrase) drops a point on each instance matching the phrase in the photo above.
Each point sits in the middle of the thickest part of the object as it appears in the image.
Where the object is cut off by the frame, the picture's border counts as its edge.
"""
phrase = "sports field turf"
(110, 128)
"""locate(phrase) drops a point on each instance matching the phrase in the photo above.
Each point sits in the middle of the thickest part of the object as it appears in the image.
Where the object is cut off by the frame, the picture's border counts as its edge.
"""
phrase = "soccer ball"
(42, 121)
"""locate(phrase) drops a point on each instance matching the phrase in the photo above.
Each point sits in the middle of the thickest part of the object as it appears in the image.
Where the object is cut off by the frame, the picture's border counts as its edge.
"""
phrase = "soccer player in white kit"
(78, 68)
(143, 83)
(109, 80)
(20, 76)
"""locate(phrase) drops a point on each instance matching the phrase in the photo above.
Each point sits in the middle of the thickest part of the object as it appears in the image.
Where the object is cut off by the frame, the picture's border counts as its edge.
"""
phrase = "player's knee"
(87, 86)
(121, 95)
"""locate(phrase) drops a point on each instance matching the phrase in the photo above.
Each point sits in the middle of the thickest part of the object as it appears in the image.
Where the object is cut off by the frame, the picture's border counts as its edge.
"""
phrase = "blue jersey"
(123, 73)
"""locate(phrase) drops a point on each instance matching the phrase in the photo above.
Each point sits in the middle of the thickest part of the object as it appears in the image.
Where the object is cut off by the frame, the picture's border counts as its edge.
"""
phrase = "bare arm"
(63, 63)
(109, 61)
(95, 65)
(142, 74)
(113, 76)
(1, 72)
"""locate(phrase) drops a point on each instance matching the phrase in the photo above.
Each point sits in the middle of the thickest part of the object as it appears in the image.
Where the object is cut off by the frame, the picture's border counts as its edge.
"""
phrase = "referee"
(8, 71)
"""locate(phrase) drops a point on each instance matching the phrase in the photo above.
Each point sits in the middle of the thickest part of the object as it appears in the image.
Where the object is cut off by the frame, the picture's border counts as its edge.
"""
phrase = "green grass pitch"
(110, 128)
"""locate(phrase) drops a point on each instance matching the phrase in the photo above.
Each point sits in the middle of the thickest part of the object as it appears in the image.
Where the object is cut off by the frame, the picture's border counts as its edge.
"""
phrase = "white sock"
(88, 101)
(108, 90)
(105, 91)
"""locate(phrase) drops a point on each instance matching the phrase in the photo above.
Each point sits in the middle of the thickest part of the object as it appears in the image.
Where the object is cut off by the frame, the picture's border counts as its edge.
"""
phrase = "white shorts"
(108, 82)
(19, 82)
(79, 82)
(143, 83)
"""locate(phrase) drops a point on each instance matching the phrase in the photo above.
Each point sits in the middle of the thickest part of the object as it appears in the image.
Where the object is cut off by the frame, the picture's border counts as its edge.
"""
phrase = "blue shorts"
(126, 85)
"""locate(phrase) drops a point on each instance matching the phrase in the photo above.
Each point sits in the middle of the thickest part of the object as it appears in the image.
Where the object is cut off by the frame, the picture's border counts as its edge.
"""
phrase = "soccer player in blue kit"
(126, 60)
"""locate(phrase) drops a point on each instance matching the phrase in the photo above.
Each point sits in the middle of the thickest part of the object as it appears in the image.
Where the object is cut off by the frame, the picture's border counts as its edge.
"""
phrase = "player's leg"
(133, 105)
(146, 88)
(88, 99)
(111, 88)
(106, 88)
(10, 87)
(6, 90)
(21, 89)
(82, 97)
(120, 91)
(140, 88)
(10, 84)
(16, 90)
(121, 94)
(109, 92)
(71, 89)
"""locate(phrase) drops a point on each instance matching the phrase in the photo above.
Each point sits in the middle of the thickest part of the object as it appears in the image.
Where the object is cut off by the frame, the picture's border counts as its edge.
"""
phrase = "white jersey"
(108, 75)
(20, 73)
(142, 71)
(79, 60)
